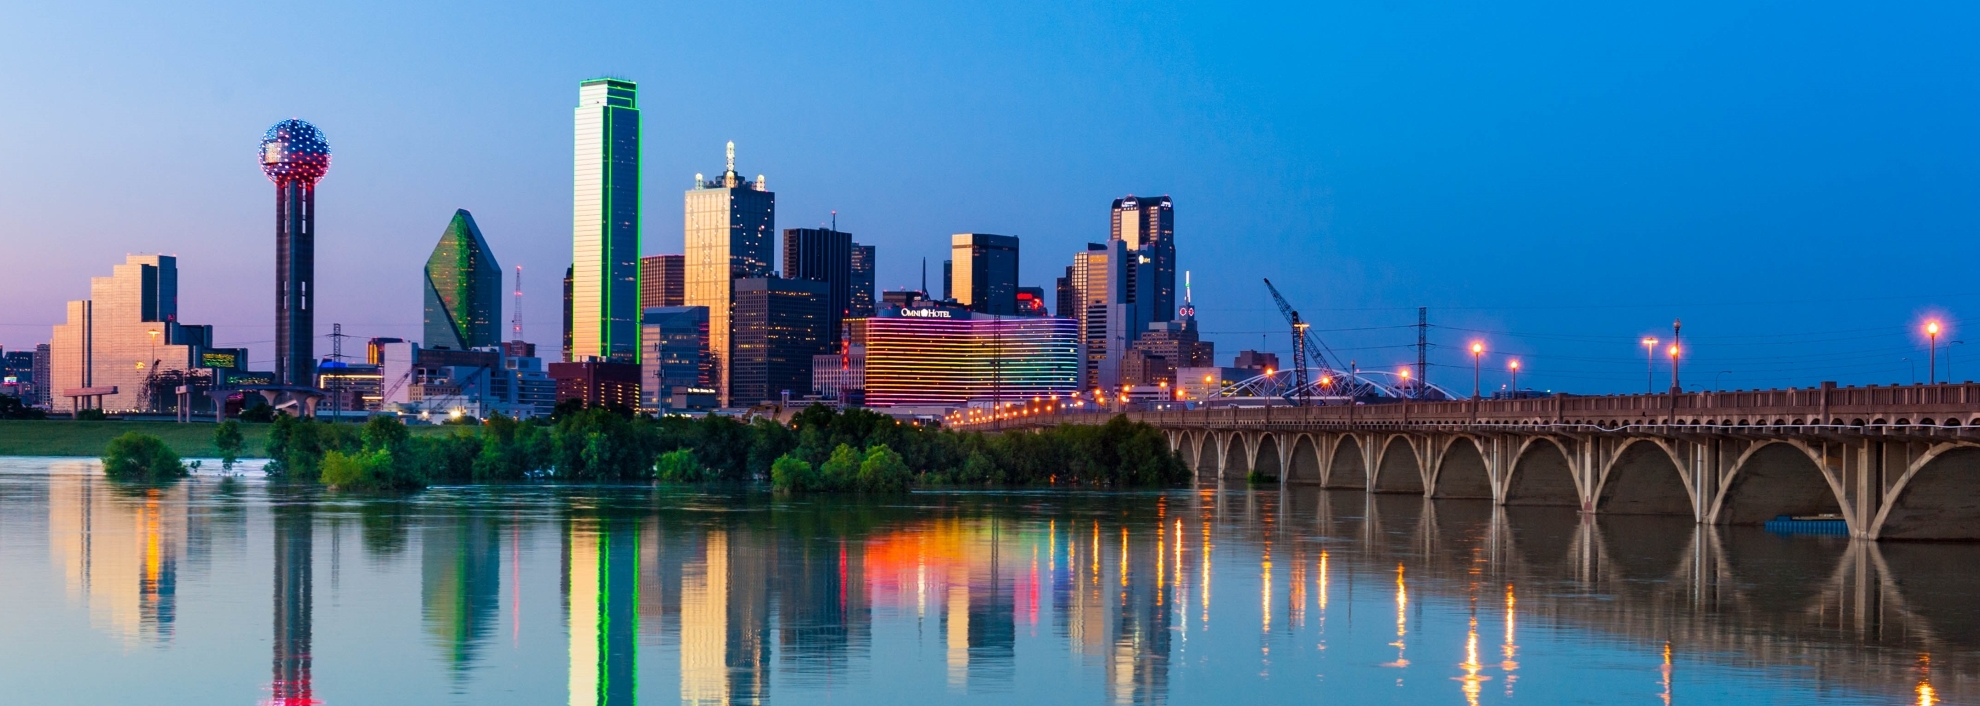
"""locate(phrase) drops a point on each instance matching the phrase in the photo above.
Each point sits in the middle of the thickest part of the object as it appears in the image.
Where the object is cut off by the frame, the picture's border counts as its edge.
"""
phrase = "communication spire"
(516, 318)
(732, 156)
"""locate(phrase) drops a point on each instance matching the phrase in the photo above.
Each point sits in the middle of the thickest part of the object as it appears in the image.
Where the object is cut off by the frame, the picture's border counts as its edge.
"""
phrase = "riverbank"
(61, 437)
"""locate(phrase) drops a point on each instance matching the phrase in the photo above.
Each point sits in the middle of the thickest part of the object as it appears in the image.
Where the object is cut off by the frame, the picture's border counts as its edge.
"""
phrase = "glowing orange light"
(1932, 328)
(1477, 348)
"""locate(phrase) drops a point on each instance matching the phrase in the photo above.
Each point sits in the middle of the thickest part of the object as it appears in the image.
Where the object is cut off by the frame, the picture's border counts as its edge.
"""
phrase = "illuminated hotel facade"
(949, 357)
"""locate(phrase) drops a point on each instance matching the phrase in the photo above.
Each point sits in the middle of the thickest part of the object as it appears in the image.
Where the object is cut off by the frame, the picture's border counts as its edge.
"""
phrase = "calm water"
(238, 592)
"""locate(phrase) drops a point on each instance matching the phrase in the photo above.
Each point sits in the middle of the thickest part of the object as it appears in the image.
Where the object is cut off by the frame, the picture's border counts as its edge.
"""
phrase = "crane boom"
(1318, 351)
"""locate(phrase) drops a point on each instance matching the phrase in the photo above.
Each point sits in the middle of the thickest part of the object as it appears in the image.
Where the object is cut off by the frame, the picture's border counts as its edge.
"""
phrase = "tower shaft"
(295, 283)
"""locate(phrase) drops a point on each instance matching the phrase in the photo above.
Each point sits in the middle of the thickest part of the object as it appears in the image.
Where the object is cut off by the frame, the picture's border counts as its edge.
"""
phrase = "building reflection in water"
(294, 522)
(460, 587)
(601, 594)
(119, 549)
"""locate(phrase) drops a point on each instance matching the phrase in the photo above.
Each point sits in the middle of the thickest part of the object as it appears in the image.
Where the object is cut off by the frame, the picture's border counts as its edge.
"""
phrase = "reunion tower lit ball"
(294, 150)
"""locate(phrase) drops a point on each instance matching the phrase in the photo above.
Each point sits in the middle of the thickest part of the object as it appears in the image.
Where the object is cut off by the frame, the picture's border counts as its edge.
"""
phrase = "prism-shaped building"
(463, 289)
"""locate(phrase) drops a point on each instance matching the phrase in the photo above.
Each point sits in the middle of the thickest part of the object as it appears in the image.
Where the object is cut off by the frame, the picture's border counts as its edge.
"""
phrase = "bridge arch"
(1265, 456)
(1306, 464)
(1237, 459)
(1777, 478)
(1208, 462)
(1645, 478)
(1397, 468)
(1347, 468)
(1937, 497)
(1461, 470)
(1543, 474)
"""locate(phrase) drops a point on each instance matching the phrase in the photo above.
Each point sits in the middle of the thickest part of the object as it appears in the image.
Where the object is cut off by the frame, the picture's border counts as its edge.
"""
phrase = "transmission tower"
(1422, 351)
(1300, 392)
(516, 320)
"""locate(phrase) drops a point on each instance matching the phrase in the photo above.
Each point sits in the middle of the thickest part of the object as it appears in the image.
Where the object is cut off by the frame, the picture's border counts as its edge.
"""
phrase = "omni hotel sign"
(927, 313)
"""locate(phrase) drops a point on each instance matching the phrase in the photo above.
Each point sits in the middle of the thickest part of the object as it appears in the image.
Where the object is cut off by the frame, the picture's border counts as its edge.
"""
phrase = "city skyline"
(1362, 203)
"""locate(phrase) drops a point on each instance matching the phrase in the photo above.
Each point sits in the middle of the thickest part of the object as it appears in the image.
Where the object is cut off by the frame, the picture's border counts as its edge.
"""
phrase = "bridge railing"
(1950, 404)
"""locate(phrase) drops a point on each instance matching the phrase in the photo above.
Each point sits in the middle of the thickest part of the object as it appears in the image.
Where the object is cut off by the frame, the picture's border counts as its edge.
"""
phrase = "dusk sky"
(1795, 180)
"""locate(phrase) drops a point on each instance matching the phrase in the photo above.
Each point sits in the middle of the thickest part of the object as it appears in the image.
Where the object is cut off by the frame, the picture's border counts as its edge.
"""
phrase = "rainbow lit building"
(951, 357)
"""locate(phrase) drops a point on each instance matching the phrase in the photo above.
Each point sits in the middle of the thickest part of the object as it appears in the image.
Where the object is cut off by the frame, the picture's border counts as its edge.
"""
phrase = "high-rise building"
(779, 325)
(1108, 321)
(823, 255)
(17, 376)
(1031, 301)
(862, 282)
(605, 223)
(295, 156)
(123, 345)
(730, 224)
(949, 357)
(1067, 306)
(662, 279)
(1148, 227)
(674, 364)
(43, 395)
(986, 272)
(568, 285)
(463, 289)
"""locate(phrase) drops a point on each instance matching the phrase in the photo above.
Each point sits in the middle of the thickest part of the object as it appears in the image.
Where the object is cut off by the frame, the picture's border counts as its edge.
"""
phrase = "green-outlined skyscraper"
(463, 289)
(605, 223)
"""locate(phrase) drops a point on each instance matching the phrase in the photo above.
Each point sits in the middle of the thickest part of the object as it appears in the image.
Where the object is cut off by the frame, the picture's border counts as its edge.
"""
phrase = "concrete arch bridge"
(1891, 462)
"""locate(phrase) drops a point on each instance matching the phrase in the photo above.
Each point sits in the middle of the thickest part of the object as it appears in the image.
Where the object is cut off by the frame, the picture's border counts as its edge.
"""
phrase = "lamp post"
(1649, 365)
(1932, 367)
(1514, 365)
(1677, 326)
(1477, 356)
(1715, 379)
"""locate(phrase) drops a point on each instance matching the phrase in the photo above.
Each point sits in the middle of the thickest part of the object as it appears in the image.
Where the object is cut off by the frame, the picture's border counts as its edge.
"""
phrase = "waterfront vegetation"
(820, 450)
(137, 457)
(61, 437)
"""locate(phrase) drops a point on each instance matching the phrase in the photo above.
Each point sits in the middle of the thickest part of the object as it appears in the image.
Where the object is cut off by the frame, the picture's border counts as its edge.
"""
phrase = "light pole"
(1932, 368)
(1649, 365)
(1676, 327)
(1477, 356)
(1715, 379)
(1514, 365)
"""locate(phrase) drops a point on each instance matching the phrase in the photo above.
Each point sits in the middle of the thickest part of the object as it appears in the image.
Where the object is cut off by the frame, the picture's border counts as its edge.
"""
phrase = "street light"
(1477, 355)
(1674, 369)
(1649, 365)
(1514, 365)
(1932, 368)
(1715, 379)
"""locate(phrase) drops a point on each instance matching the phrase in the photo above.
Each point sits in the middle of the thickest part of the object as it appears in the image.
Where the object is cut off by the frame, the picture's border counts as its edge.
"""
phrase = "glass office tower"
(985, 272)
(463, 289)
(730, 228)
(1147, 225)
(605, 224)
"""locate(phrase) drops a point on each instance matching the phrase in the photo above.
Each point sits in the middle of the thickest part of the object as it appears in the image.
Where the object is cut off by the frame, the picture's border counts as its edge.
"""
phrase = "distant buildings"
(863, 262)
(1256, 361)
(1165, 347)
(950, 357)
(597, 384)
(674, 360)
(1148, 227)
(985, 272)
(17, 377)
(605, 228)
(295, 156)
(730, 222)
(662, 280)
(1108, 321)
(123, 349)
(823, 255)
(463, 289)
(441, 382)
(779, 325)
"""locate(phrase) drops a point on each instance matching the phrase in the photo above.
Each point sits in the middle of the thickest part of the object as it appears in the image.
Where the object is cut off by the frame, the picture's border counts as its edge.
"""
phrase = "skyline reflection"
(749, 599)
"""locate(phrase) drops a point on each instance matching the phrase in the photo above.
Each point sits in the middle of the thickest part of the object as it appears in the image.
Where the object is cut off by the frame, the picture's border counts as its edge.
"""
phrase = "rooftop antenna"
(732, 156)
(924, 276)
(835, 220)
(516, 320)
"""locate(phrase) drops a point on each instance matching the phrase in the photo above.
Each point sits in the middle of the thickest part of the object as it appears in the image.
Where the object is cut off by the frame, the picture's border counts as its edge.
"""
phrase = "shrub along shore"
(821, 450)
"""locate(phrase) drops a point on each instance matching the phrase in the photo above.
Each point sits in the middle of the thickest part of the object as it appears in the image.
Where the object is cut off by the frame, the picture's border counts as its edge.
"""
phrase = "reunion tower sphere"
(294, 150)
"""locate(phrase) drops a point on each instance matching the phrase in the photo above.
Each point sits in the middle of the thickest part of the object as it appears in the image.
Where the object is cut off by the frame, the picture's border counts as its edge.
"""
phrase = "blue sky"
(1794, 180)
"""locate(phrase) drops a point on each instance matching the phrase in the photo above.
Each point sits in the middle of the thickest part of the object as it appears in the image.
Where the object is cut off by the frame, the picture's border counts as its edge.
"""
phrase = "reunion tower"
(294, 155)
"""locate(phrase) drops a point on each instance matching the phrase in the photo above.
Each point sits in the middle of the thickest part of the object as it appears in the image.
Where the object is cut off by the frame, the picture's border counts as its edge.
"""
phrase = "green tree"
(792, 474)
(841, 471)
(883, 471)
(141, 458)
(227, 438)
(679, 466)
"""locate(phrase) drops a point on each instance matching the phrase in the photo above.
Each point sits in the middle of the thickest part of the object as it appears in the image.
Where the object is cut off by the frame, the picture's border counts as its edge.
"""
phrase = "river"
(235, 591)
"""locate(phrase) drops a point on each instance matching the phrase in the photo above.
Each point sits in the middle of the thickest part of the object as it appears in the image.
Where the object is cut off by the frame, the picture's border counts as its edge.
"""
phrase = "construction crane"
(1305, 346)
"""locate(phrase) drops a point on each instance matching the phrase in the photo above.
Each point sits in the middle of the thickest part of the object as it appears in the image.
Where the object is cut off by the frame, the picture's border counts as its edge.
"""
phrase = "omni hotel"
(931, 355)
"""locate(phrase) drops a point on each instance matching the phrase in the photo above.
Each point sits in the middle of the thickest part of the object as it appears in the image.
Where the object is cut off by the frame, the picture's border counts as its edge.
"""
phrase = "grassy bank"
(67, 438)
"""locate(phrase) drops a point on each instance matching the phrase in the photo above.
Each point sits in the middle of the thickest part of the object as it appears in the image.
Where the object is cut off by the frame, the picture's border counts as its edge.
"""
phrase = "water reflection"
(991, 597)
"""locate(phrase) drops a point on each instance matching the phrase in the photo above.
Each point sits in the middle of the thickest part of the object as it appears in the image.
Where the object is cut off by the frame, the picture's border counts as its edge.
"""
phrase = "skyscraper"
(1148, 227)
(779, 326)
(661, 280)
(862, 282)
(823, 255)
(295, 156)
(985, 272)
(567, 312)
(463, 289)
(1108, 320)
(123, 343)
(730, 223)
(676, 355)
(605, 223)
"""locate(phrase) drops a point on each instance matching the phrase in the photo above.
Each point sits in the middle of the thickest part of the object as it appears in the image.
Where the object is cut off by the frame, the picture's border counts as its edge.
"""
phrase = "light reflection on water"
(241, 592)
